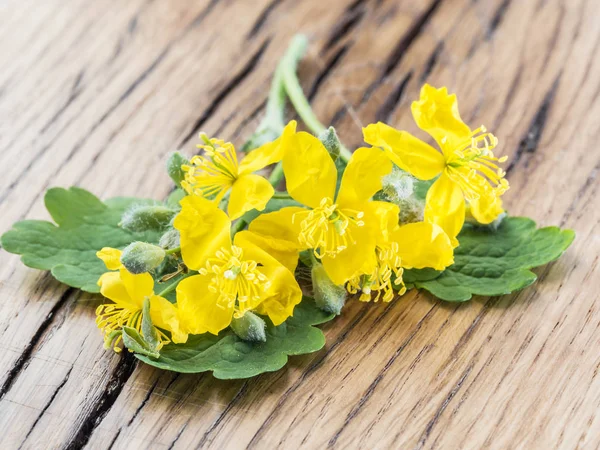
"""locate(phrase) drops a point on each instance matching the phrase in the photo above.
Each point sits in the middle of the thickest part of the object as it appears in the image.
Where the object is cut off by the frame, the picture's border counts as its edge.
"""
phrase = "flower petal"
(310, 173)
(486, 208)
(423, 245)
(445, 207)
(113, 288)
(200, 307)
(355, 259)
(362, 176)
(279, 225)
(266, 154)
(165, 315)
(111, 257)
(249, 192)
(203, 229)
(138, 286)
(406, 151)
(436, 113)
(285, 252)
(283, 293)
(386, 216)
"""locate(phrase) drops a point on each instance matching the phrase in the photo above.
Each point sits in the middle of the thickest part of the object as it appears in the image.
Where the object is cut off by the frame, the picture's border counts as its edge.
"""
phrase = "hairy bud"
(249, 327)
(139, 257)
(331, 142)
(402, 189)
(147, 217)
(328, 296)
(174, 163)
(170, 239)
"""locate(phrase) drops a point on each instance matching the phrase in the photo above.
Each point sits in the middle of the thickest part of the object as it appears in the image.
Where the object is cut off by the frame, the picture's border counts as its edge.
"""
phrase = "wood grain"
(96, 93)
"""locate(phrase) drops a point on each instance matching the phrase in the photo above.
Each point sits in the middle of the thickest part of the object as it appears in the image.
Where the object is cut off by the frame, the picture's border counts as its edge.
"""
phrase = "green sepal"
(492, 263)
(84, 225)
(249, 327)
(148, 330)
(137, 344)
(229, 357)
(174, 163)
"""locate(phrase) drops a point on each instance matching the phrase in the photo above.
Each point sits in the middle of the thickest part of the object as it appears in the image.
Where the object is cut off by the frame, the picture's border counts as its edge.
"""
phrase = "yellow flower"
(467, 168)
(234, 277)
(340, 229)
(415, 245)
(218, 171)
(128, 292)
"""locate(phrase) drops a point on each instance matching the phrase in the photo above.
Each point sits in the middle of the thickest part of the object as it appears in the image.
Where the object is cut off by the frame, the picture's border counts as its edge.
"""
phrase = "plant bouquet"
(212, 279)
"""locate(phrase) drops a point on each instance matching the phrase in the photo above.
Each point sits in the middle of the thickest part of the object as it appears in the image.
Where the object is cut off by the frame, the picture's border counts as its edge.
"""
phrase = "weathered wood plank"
(127, 83)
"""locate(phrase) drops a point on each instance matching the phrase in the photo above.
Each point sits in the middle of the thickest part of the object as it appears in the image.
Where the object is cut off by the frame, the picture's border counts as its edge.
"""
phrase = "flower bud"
(249, 327)
(139, 257)
(174, 163)
(146, 217)
(170, 239)
(328, 296)
(331, 142)
(402, 189)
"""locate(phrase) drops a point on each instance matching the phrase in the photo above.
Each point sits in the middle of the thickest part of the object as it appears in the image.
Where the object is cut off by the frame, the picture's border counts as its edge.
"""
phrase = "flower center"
(380, 280)
(111, 318)
(238, 282)
(327, 229)
(473, 166)
(212, 174)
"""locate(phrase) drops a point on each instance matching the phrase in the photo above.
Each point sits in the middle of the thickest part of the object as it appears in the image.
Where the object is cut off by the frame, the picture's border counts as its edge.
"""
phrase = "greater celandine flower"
(412, 246)
(235, 276)
(128, 292)
(340, 229)
(466, 166)
(217, 172)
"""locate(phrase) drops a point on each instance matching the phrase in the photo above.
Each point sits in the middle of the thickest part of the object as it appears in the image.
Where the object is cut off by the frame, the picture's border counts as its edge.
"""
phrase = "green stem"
(288, 68)
(282, 195)
(173, 285)
(276, 175)
(238, 226)
(173, 250)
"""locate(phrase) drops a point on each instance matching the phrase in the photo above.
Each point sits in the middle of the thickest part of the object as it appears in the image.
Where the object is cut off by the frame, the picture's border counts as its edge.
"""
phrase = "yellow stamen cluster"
(111, 318)
(235, 279)
(483, 177)
(327, 229)
(210, 175)
(380, 280)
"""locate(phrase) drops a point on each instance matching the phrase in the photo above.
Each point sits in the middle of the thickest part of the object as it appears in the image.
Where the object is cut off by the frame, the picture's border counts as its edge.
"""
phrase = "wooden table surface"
(95, 94)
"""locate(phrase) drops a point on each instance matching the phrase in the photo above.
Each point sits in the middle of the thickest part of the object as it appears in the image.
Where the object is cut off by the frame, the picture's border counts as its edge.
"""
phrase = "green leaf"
(229, 357)
(84, 225)
(136, 343)
(493, 263)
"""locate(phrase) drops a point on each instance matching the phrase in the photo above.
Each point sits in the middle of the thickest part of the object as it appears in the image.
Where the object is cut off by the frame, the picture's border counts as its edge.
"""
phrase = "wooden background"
(95, 93)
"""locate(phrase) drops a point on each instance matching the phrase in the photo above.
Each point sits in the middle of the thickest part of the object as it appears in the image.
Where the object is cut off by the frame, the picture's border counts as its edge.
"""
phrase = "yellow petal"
(486, 208)
(266, 154)
(249, 192)
(423, 245)
(200, 307)
(111, 257)
(279, 225)
(386, 216)
(203, 229)
(138, 286)
(406, 151)
(362, 176)
(436, 112)
(283, 293)
(357, 258)
(310, 173)
(284, 251)
(445, 206)
(113, 288)
(165, 315)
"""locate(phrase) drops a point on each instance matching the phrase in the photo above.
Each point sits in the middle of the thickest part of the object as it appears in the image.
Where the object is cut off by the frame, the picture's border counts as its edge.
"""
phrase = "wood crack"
(531, 140)
(100, 408)
(385, 111)
(224, 93)
(262, 18)
(25, 357)
(351, 17)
